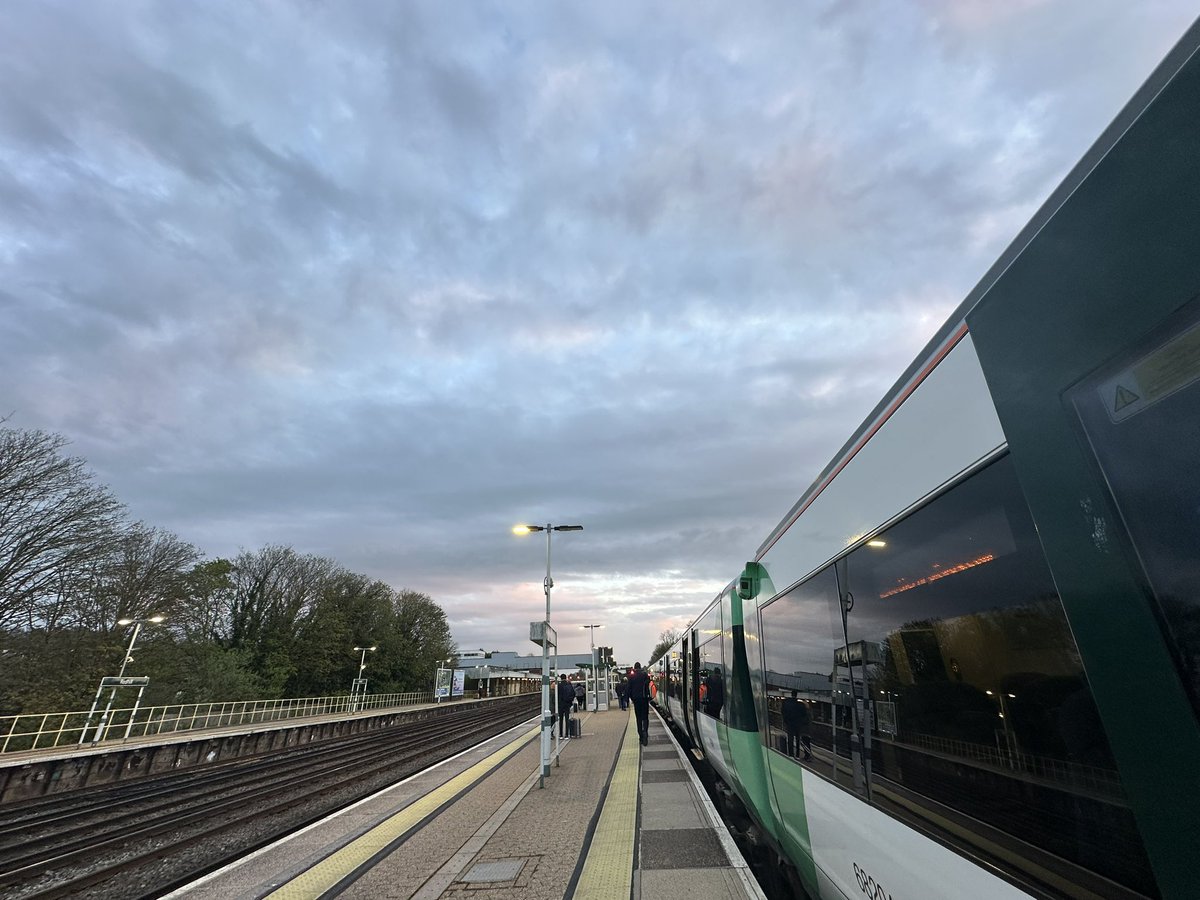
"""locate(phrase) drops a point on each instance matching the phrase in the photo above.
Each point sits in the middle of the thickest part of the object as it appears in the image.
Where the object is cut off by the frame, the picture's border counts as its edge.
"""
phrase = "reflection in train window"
(801, 634)
(959, 675)
(711, 687)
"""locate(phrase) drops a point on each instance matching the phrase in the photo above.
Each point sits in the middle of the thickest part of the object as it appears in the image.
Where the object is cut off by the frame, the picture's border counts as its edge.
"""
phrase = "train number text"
(869, 886)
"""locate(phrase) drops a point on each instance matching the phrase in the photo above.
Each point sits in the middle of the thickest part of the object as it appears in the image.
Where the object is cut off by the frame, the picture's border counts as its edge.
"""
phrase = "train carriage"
(988, 603)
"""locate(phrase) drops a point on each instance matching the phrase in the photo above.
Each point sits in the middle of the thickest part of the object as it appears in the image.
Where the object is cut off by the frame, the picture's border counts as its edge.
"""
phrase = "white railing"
(1056, 771)
(47, 730)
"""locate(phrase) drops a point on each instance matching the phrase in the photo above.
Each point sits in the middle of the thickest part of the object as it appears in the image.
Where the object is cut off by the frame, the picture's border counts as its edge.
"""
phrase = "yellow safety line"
(608, 869)
(314, 882)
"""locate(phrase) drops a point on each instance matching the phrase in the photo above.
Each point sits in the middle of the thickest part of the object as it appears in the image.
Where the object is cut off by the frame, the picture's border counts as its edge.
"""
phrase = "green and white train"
(989, 600)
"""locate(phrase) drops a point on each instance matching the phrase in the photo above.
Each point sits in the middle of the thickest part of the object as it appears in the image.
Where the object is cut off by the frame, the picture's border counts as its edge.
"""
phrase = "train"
(966, 663)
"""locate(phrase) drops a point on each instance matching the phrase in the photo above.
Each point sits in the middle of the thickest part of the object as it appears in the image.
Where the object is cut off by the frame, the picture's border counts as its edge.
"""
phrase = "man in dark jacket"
(639, 693)
(566, 696)
(797, 722)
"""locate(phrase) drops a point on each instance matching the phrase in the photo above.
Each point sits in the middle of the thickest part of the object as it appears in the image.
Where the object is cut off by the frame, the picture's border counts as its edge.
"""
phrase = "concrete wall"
(66, 770)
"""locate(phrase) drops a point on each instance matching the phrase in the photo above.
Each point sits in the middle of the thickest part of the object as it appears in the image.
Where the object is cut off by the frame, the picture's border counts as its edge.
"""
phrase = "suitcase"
(573, 729)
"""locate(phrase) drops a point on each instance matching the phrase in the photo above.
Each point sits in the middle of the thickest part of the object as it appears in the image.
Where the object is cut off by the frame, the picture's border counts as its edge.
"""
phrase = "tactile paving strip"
(327, 873)
(608, 871)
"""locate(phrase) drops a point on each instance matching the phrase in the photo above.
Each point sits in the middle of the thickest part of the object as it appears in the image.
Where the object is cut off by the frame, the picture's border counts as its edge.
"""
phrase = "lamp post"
(547, 724)
(358, 687)
(595, 682)
(115, 683)
(1010, 739)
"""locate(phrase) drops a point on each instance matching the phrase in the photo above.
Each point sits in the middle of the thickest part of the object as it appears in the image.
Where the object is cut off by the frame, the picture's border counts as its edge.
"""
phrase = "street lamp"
(595, 683)
(359, 685)
(547, 724)
(116, 682)
(1010, 739)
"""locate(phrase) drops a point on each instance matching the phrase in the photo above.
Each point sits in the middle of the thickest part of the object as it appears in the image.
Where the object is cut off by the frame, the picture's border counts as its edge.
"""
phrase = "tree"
(666, 641)
(56, 527)
(203, 672)
(145, 574)
(274, 591)
(263, 624)
(351, 611)
(208, 594)
(423, 640)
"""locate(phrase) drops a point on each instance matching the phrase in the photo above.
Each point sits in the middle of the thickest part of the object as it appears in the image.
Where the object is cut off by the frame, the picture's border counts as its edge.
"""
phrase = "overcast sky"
(379, 280)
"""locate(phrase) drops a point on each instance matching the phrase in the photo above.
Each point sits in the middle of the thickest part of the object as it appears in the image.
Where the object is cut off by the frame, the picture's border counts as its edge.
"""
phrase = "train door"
(694, 687)
(684, 680)
(1090, 342)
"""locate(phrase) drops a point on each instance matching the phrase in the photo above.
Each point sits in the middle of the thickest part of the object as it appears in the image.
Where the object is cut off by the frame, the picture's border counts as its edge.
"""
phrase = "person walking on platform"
(623, 693)
(566, 696)
(797, 722)
(639, 693)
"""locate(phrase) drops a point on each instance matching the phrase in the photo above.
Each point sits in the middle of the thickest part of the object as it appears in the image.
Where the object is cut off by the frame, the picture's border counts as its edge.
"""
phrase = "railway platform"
(613, 820)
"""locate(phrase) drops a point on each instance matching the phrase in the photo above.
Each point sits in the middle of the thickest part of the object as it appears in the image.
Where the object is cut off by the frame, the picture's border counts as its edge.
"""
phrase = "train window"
(974, 703)
(801, 632)
(711, 689)
(1140, 415)
(708, 626)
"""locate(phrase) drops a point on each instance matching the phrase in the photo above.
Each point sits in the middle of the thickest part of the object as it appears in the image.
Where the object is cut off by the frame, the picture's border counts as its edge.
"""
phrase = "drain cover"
(499, 870)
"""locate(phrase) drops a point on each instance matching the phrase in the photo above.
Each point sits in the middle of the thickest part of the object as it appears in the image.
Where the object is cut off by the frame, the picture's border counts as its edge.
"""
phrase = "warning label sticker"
(1154, 377)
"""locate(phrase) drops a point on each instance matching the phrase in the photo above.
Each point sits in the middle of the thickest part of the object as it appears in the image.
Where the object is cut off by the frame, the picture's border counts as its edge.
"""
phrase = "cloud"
(378, 281)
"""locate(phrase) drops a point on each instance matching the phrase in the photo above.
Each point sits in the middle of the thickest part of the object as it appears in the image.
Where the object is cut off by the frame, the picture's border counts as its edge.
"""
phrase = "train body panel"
(855, 848)
(791, 817)
(675, 709)
(964, 663)
(945, 410)
(710, 737)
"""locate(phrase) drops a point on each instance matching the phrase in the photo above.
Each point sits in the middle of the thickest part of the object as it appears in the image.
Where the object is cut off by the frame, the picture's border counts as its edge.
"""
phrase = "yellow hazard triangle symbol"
(1125, 397)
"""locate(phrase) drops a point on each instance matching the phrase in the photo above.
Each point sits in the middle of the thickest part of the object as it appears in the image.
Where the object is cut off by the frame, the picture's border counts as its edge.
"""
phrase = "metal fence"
(48, 730)
(1057, 771)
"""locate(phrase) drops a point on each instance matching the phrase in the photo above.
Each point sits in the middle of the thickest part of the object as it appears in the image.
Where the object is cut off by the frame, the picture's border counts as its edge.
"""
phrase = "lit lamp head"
(523, 530)
(155, 619)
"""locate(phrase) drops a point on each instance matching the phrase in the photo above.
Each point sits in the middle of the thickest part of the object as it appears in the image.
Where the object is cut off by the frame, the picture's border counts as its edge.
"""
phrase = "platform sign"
(444, 681)
(859, 652)
(543, 634)
(885, 716)
(458, 686)
(127, 681)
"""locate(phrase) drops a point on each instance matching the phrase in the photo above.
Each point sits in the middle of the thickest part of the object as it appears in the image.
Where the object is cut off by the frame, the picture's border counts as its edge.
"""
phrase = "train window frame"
(708, 624)
(820, 719)
(713, 646)
(875, 781)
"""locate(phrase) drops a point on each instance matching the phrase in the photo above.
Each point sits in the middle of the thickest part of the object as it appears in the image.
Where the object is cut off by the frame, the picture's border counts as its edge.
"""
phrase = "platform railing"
(43, 731)
(1057, 771)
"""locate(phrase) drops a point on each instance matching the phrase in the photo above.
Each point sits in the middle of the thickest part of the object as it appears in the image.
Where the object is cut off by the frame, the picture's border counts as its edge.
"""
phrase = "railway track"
(142, 838)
